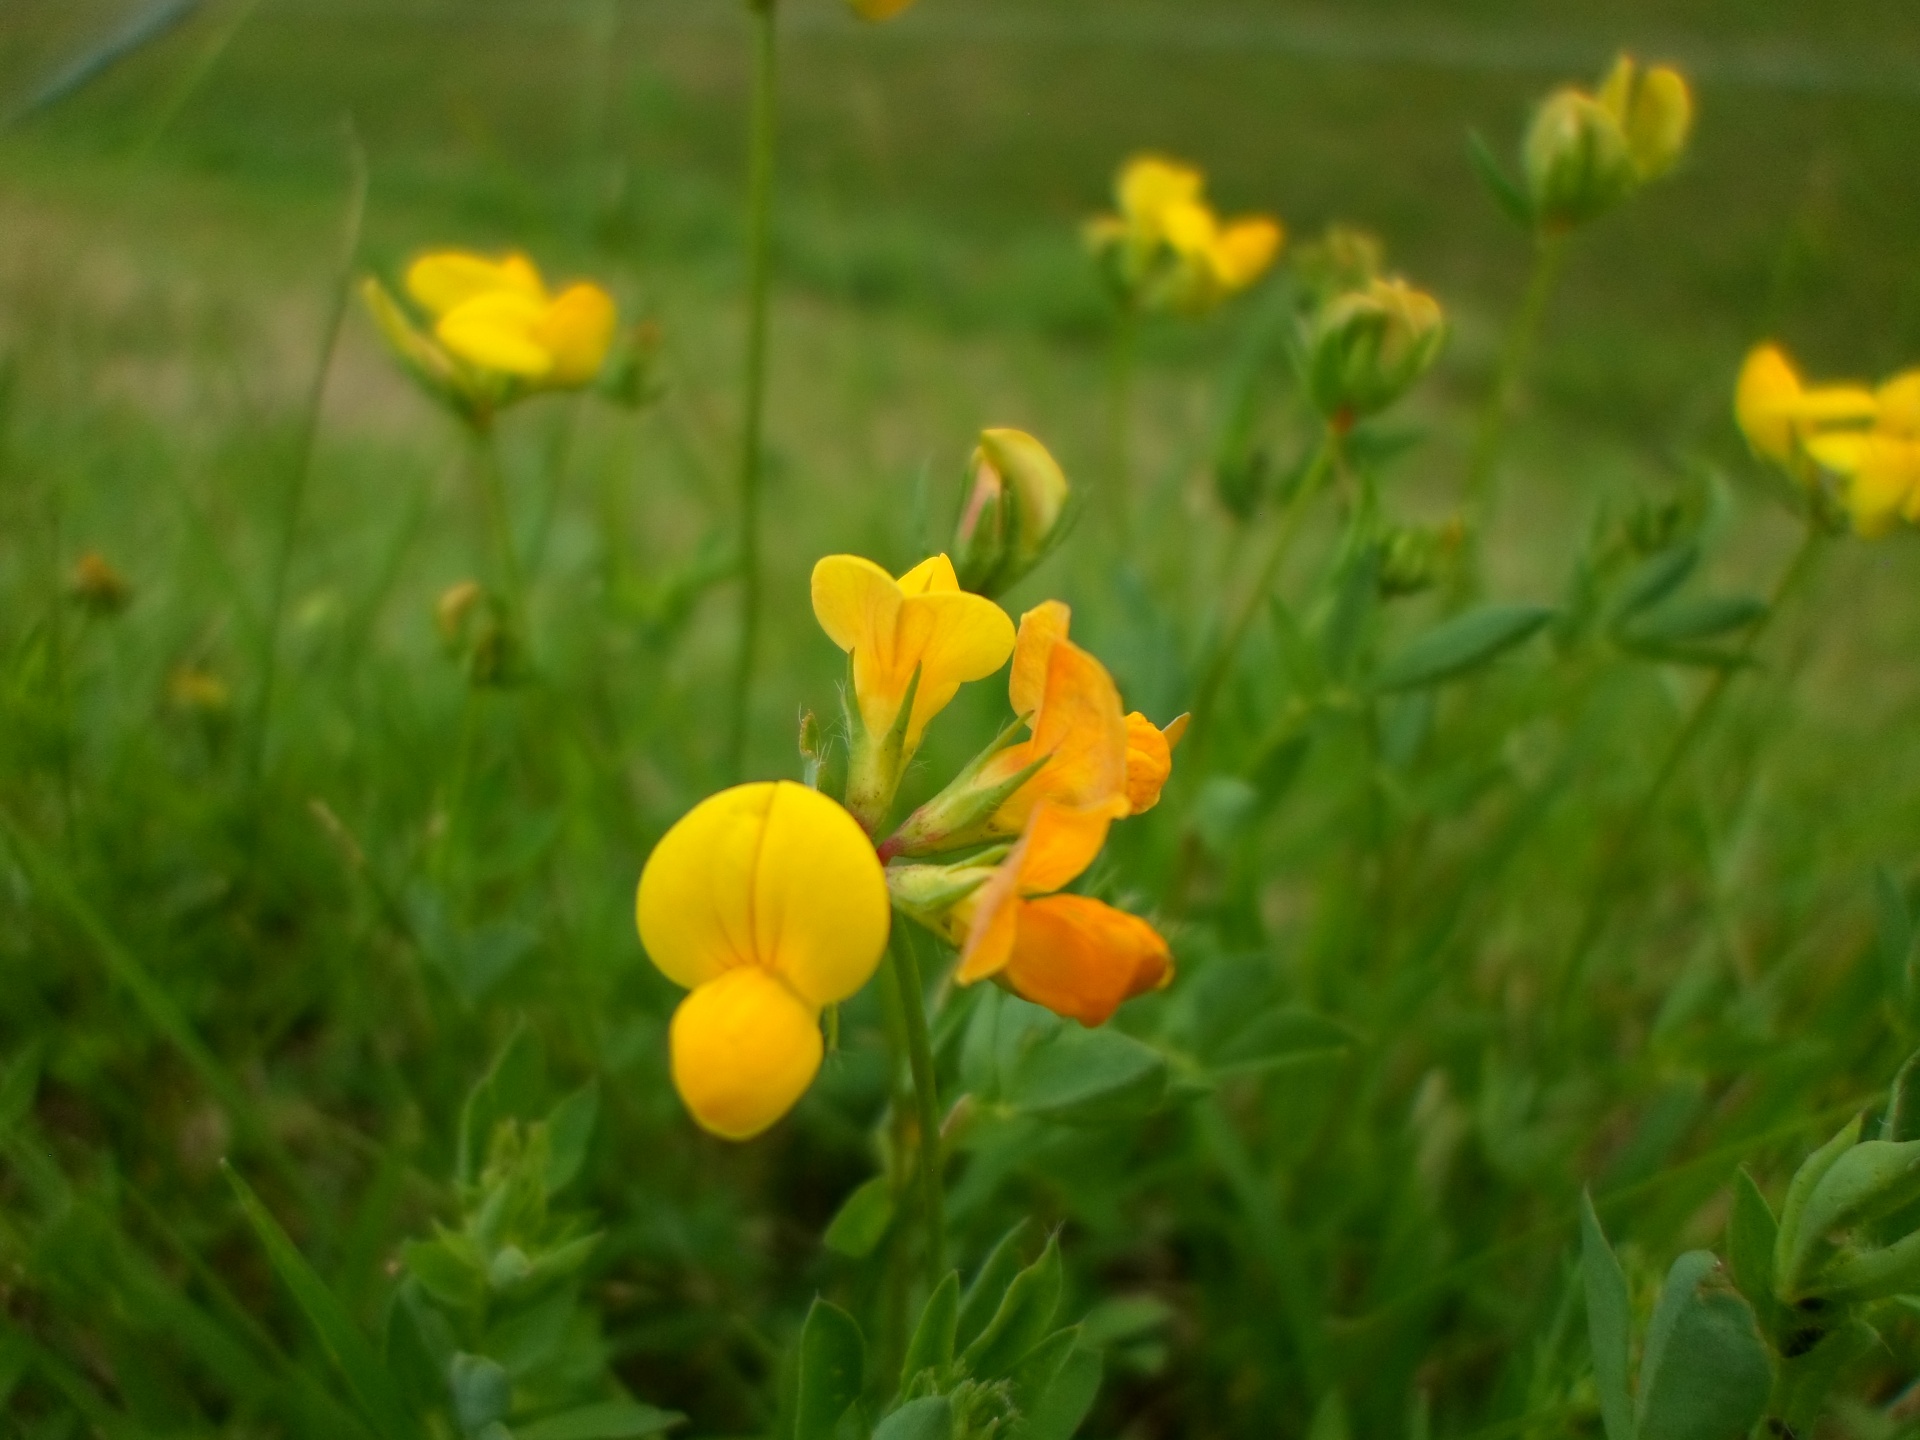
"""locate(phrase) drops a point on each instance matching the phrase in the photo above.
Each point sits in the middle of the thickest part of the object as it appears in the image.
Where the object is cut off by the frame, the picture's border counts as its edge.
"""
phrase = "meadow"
(1538, 873)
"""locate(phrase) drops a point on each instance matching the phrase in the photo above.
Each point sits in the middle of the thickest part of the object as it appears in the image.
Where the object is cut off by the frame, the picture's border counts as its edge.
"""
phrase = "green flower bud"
(1016, 512)
(1366, 348)
(1579, 164)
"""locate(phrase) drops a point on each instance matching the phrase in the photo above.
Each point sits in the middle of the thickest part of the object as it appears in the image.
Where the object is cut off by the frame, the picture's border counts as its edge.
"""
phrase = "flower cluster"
(495, 333)
(1585, 153)
(1867, 440)
(1166, 249)
(770, 902)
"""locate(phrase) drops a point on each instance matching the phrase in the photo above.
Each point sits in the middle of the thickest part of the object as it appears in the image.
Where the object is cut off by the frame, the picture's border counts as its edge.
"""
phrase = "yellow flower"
(1881, 466)
(768, 903)
(1149, 187)
(1654, 109)
(1778, 413)
(922, 625)
(1149, 759)
(1167, 249)
(1077, 956)
(496, 332)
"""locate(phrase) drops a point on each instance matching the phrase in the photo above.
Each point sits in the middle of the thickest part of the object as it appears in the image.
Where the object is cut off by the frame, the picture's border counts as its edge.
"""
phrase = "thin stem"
(1686, 738)
(1122, 366)
(493, 501)
(1207, 696)
(297, 480)
(1548, 255)
(906, 986)
(760, 165)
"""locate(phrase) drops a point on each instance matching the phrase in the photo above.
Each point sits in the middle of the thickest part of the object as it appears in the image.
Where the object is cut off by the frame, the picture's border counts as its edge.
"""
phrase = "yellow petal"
(744, 1049)
(1899, 404)
(1190, 228)
(855, 601)
(1659, 121)
(934, 575)
(1081, 958)
(577, 330)
(955, 637)
(1149, 763)
(441, 281)
(771, 875)
(1083, 730)
(1763, 400)
(1041, 628)
(1061, 842)
(498, 331)
(1244, 251)
(1150, 184)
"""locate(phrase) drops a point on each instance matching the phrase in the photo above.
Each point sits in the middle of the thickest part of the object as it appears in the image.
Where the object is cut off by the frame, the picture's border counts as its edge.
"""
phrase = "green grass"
(306, 969)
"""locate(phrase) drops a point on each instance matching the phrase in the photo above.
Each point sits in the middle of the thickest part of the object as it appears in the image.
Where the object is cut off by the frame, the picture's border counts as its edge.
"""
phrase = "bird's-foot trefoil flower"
(1587, 152)
(1779, 413)
(1167, 250)
(1016, 512)
(493, 333)
(913, 641)
(1879, 468)
(1366, 348)
(768, 903)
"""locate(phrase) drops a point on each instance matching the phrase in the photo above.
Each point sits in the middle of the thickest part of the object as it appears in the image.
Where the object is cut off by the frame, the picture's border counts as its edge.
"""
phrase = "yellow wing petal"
(1149, 763)
(1059, 844)
(577, 331)
(820, 907)
(744, 1050)
(695, 904)
(954, 637)
(498, 331)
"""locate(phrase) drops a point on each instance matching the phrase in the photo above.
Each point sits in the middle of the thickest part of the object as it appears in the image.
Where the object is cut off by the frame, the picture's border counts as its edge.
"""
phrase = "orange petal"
(1041, 628)
(578, 330)
(1081, 958)
(1082, 729)
(1149, 763)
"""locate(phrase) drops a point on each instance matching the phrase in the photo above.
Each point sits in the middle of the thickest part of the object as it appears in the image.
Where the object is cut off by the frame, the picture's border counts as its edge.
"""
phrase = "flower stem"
(493, 499)
(1686, 738)
(912, 1000)
(1122, 366)
(760, 162)
(1206, 698)
(1549, 254)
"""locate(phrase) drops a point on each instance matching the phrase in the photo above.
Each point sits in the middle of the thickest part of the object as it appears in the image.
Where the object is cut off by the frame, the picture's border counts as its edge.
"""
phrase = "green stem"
(493, 501)
(1121, 371)
(1699, 720)
(760, 165)
(297, 480)
(1548, 256)
(1207, 696)
(913, 1014)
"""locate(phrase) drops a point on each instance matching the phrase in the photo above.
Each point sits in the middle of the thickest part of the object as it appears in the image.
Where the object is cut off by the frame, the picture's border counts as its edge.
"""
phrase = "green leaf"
(1806, 1378)
(1064, 1407)
(346, 1347)
(447, 1270)
(989, 1287)
(1894, 939)
(1609, 1321)
(1655, 578)
(832, 1370)
(928, 1418)
(1866, 1275)
(1902, 1120)
(1033, 1377)
(1751, 1234)
(1872, 1179)
(482, 1391)
(1456, 646)
(608, 1420)
(1513, 201)
(862, 1220)
(1277, 1038)
(1706, 1373)
(1088, 1076)
(1790, 1249)
(933, 1340)
(1685, 622)
(510, 1089)
(1024, 1318)
(1330, 1419)
(569, 1132)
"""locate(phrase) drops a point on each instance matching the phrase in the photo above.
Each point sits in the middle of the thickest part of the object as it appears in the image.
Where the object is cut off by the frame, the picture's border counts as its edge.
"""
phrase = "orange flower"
(1149, 759)
(1079, 957)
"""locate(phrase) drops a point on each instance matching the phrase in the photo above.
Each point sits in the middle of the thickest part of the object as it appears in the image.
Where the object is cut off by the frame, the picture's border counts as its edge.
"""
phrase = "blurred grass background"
(170, 234)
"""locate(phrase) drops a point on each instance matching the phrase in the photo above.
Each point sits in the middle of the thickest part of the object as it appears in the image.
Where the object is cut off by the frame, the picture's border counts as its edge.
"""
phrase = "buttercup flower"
(1585, 153)
(1779, 413)
(1166, 249)
(921, 634)
(1015, 512)
(768, 903)
(1079, 957)
(497, 333)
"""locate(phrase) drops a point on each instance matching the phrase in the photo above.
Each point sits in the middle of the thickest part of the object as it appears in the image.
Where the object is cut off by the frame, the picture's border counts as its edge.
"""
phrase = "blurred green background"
(170, 234)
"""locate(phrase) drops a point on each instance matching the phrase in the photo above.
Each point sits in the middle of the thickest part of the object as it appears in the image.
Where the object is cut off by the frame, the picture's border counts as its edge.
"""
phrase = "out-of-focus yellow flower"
(922, 633)
(878, 10)
(199, 691)
(497, 333)
(1166, 249)
(1585, 153)
(1881, 466)
(1779, 413)
(1366, 348)
(1079, 957)
(768, 903)
(99, 587)
(1015, 512)
(454, 608)
(1150, 759)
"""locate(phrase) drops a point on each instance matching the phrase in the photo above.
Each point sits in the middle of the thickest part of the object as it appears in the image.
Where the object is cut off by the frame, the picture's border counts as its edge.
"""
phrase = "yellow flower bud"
(1366, 348)
(1654, 109)
(768, 903)
(1014, 512)
(1578, 162)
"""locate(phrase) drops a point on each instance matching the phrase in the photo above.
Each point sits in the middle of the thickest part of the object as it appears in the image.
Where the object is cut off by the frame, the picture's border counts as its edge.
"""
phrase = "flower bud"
(1414, 558)
(1015, 512)
(100, 589)
(454, 608)
(1654, 110)
(1578, 160)
(1366, 348)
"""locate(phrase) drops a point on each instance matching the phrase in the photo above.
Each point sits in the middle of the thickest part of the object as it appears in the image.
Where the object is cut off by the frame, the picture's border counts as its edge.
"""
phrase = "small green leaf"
(862, 1220)
(1806, 1378)
(1512, 201)
(1751, 1234)
(1024, 1318)
(1033, 1377)
(933, 1338)
(569, 1132)
(1686, 622)
(608, 1420)
(928, 1418)
(1456, 646)
(1706, 1372)
(832, 1368)
(1655, 578)
(510, 1088)
(1088, 1076)
(1894, 939)
(1791, 1248)
(989, 1287)
(1872, 1179)
(351, 1352)
(482, 1391)
(1277, 1038)
(1902, 1120)
(1064, 1407)
(1609, 1323)
(1330, 1419)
